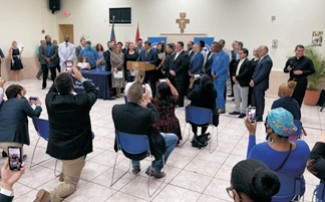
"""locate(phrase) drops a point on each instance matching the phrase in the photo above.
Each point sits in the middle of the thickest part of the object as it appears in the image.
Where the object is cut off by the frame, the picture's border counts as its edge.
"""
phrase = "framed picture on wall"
(317, 38)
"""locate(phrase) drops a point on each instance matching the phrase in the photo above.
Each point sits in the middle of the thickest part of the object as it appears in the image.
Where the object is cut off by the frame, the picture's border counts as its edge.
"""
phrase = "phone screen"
(14, 158)
(251, 114)
(69, 63)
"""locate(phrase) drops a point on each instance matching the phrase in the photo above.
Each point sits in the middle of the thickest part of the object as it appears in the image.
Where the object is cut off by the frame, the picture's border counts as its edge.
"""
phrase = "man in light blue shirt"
(219, 72)
(91, 54)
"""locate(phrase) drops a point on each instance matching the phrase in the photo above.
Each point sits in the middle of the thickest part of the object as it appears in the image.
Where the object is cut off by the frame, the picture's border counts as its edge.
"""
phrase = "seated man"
(137, 117)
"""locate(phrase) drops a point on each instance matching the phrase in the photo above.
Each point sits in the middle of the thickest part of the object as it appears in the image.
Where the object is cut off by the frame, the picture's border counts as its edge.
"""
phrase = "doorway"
(66, 29)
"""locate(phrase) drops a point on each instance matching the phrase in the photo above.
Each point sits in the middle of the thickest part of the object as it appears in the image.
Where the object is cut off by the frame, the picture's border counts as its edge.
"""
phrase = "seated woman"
(165, 103)
(13, 118)
(139, 78)
(203, 95)
(316, 161)
(287, 159)
(253, 181)
(83, 63)
(286, 101)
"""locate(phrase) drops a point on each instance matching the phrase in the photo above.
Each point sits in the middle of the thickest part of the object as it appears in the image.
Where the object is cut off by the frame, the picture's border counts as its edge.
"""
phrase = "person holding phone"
(288, 159)
(13, 117)
(8, 179)
(70, 134)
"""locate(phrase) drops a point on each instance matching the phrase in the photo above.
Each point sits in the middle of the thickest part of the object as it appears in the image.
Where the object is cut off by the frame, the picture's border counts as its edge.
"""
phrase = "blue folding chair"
(42, 129)
(201, 117)
(133, 144)
(319, 192)
(292, 188)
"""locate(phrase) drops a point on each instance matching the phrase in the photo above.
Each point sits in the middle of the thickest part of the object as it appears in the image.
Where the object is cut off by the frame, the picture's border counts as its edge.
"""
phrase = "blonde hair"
(139, 77)
(286, 89)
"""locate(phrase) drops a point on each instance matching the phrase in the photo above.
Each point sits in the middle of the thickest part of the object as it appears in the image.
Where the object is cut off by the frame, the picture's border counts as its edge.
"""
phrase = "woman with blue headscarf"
(288, 159)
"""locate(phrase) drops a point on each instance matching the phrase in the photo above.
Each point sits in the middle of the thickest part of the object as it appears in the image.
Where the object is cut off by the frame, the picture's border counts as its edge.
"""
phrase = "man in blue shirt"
(91, 55)
(196, 61)
(220, 75)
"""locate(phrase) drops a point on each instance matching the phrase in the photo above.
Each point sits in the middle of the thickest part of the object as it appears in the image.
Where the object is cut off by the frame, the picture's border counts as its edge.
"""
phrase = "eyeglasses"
(230, 192)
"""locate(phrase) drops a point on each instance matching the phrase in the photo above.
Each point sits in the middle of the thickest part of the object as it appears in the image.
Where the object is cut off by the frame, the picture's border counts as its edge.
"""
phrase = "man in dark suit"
(49, 53)
(299, 67)
(83, 43)
(8, 179)
(178, 72)
(150, 55)
(13, 118)
(241, 77)
(196, 61)
(70, 134)
(208, 64)
(260, 81)
(170, 48)
(233, 62)
(107, 55)
(137, 117)
(190, 48)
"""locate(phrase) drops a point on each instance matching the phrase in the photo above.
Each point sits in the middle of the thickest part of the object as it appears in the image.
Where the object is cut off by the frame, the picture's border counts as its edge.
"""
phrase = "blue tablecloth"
(101, 79)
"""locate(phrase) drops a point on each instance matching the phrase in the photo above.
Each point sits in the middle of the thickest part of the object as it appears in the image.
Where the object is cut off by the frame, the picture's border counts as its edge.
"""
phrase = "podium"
(136, 66)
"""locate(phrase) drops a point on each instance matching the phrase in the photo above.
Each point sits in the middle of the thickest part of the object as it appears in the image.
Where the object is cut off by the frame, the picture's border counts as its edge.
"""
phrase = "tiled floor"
(192, 174)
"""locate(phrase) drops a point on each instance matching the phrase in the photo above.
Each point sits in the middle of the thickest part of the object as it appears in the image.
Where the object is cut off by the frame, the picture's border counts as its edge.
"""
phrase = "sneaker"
(153, 174)
(242, 115)
(42, 196)
(136, 169)
(234, 113)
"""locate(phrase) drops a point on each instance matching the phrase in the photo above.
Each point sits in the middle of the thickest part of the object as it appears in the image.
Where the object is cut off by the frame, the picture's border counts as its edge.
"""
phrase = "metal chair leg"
(214, 136)
(186, 137)
(31, 161)
(149, 179)
(113, 172)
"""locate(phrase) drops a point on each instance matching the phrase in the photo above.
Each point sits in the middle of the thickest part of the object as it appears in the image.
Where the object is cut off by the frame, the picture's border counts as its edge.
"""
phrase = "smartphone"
(162, 80)
(251, 114)
(14, 158)
(68, 63)
(32, 99)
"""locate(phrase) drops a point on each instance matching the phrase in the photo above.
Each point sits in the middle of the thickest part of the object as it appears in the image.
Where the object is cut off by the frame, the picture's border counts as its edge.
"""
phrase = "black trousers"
(45, 71)
(151, 78)
(300, 90)
(181, 87)
(259, 102)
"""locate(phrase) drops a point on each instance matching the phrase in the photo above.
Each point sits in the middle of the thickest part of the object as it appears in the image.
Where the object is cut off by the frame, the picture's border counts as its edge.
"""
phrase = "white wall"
(248, 21)
(23, 21)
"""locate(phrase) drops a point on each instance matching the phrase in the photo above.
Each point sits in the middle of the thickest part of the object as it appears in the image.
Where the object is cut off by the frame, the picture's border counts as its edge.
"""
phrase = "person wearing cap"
(253, 181)
(219, 73)
(287, 159)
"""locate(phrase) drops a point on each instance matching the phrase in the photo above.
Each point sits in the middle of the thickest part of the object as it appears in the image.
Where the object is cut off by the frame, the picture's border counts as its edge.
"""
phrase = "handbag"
(157, 144)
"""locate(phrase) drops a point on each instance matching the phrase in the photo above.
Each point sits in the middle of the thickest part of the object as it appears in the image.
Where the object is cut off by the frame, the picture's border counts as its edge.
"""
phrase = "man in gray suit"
(48, 55)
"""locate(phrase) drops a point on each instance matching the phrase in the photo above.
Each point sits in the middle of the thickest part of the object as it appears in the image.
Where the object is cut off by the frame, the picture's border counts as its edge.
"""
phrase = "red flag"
(113, 37)
(137, 34)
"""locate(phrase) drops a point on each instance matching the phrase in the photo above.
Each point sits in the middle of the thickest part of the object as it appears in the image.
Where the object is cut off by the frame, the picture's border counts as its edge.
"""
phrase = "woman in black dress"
(16, 64)
(130, 55)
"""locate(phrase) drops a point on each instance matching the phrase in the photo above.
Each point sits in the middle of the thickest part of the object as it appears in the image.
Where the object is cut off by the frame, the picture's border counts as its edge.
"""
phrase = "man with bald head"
(260, 81)
(66, 53)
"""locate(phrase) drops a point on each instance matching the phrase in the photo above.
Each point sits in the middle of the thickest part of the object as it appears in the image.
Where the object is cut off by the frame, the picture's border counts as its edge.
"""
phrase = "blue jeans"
(219, 86)
(171, 141)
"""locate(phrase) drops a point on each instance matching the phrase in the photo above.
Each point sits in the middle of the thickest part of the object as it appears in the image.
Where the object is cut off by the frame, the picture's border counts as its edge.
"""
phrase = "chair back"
(291, 187)
(198, 115)
(42, 127)
(320, 192)
(133, 143)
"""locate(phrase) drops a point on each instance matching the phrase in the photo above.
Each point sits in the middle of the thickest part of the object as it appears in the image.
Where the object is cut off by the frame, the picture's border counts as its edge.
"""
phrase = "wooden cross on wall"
(182, 21)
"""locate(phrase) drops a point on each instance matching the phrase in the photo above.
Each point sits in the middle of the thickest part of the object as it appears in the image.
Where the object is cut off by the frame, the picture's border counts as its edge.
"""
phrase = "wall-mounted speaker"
(54, 5)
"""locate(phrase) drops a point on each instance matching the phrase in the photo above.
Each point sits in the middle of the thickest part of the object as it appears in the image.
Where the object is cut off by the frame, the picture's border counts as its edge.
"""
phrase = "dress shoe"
(231, 95)
(38, 77)
(242, 115)
(136, 169)
(42, 196)
(234, 113)
(154, 174)
(221, 111)
(43, 88)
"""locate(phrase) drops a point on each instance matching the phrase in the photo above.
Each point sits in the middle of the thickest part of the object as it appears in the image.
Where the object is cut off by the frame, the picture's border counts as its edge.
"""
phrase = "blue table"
(101, 79)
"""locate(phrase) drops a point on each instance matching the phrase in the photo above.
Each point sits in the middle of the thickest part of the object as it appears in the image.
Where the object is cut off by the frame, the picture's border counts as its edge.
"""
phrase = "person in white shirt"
(66, 53)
